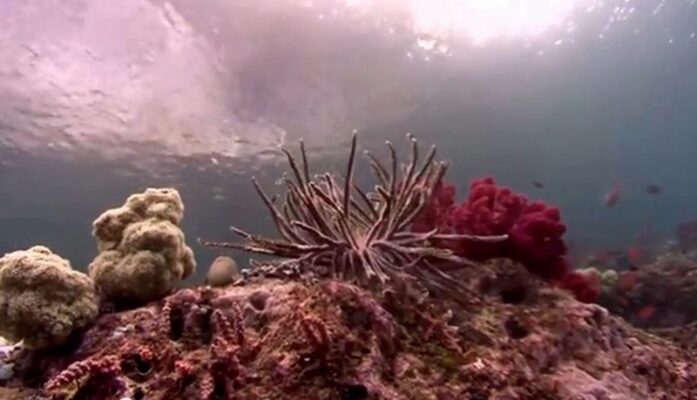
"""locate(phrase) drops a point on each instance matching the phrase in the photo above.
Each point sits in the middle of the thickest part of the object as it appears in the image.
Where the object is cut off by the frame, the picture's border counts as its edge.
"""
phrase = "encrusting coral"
(42, 299)
(143, 253)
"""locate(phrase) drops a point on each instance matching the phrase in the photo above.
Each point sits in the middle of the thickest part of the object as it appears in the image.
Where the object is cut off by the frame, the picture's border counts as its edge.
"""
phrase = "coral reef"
(326, 339)
(43, 301)
(223, 271)
(659, 295)
(392, 294)
(684, 335)
(534, 231)
(143, 253)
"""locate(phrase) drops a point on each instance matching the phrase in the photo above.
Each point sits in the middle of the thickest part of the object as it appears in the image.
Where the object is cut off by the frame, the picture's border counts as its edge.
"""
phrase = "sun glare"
(479, 20)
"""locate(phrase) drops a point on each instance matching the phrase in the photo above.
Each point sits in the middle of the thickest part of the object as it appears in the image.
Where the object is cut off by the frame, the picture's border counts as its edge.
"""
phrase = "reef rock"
(309, 338)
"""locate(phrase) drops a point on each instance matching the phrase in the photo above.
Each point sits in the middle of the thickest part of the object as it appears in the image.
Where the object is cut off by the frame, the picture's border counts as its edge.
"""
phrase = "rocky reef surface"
(262, 337)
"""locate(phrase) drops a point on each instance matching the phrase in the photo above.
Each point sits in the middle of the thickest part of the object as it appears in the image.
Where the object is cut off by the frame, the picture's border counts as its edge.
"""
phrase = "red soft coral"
(435, 214)
(586, 288)
(536, 241)
(535, 230)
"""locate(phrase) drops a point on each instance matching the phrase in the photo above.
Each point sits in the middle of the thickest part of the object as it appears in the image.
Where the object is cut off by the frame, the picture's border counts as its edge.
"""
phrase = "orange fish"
(627, 281)
(646, 313)
(613, 196)
(635, 254)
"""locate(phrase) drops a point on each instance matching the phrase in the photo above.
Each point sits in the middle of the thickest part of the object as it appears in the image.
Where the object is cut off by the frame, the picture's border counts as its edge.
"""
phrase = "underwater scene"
(348, 199)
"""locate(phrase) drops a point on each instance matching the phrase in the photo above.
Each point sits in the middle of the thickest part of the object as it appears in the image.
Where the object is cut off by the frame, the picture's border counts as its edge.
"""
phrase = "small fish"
(627, 281)
(613, 196)
(654, 189)
(635, 254)
(602, 257)
(646, 313)
(538, 184)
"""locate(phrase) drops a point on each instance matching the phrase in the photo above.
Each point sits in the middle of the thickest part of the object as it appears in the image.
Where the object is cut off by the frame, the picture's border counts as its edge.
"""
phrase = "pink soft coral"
(534, 230)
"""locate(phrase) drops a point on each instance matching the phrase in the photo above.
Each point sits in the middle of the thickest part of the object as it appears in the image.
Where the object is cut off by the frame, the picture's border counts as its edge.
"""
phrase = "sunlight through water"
(481, 21)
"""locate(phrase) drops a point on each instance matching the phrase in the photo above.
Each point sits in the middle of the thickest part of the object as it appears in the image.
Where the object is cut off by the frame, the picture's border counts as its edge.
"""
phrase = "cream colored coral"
(222, 271)
(609, 278)
(42, 299)
(143, 252)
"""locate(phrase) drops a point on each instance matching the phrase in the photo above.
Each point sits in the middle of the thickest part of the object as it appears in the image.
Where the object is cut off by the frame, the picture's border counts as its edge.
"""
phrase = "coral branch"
(206, 387)
(233, 333)
(165, 324)
(317, 335)
(82, 369)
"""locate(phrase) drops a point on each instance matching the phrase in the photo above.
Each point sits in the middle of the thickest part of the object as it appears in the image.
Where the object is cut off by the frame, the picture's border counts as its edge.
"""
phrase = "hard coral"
(535, 230)
(143, 253)
(42, 299)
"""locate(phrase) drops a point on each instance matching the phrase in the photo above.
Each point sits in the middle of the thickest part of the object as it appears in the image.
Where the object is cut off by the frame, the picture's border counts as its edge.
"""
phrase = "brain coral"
(143, 253)
(42, 299)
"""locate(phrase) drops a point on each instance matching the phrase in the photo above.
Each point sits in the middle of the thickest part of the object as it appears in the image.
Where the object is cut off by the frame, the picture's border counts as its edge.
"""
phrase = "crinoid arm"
(357, 235)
